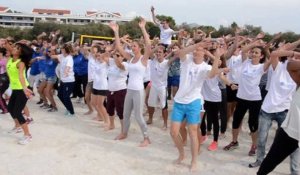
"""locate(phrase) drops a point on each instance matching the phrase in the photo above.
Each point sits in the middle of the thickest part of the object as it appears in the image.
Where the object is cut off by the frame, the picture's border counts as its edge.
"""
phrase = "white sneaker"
(15, 130)
(25, 140)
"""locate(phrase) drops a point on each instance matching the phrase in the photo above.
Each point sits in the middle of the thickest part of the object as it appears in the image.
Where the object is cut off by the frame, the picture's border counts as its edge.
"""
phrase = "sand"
(78, 145)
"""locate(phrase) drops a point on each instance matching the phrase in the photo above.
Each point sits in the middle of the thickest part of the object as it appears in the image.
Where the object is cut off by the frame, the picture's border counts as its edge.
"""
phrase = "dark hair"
(25, 53)
(68, 48)
(263, 52)
(163, 46)
(3, 51)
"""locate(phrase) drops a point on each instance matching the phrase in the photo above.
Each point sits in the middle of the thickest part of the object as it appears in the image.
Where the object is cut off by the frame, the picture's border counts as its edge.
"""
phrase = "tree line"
(131, 28)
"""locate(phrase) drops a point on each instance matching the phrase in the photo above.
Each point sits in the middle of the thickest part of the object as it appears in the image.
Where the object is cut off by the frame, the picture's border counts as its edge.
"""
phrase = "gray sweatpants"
(134, 100)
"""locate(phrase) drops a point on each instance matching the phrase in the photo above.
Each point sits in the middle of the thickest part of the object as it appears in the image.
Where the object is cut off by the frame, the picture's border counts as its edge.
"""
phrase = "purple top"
(3, 62)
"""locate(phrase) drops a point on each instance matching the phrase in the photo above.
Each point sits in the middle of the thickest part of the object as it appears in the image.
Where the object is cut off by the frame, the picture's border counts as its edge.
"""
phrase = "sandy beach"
(79, 145)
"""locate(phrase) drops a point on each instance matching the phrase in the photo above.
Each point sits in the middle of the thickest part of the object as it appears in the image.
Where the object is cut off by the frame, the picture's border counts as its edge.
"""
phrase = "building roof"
(90, 12)
(3, 9)
(51, 11)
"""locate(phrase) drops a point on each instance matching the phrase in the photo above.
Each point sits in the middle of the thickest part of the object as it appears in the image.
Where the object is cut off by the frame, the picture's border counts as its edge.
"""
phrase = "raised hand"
(142, 23)
(260, 35)
(152, 9)
(114, 26)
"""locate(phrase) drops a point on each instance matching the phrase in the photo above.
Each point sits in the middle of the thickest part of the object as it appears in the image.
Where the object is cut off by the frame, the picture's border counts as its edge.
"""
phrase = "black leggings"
(223, 111)
(282, 147)
(212, 111)
(79, 91)
(16, 104)
(4, 84)
(241, 108)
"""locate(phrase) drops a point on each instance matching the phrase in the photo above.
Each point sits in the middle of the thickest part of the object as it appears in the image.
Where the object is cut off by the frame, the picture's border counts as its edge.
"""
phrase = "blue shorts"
(189, 111)
(173, 81)
(51, 79)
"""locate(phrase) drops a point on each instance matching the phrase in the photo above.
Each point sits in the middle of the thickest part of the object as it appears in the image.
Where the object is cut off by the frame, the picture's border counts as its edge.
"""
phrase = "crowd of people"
(209, 79)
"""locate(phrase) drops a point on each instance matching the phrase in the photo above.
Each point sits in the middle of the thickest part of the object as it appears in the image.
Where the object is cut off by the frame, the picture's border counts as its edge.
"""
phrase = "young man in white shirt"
(187, 103)
(166, 32)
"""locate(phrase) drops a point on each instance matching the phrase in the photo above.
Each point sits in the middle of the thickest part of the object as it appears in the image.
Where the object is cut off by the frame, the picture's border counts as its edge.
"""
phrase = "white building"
(9, 18)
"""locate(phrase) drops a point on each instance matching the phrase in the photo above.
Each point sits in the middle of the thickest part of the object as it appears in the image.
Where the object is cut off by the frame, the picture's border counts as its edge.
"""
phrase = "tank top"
(291, 124)
(136, 75)
(13, 74)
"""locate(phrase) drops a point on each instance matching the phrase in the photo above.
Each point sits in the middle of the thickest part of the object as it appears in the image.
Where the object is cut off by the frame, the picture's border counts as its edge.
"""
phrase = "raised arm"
(248, 47)
(182, 53)
(233, 47)
(293, 68)
(155, 20)
(215, 67)
(147, 52)
(115, 28)
(275, 55)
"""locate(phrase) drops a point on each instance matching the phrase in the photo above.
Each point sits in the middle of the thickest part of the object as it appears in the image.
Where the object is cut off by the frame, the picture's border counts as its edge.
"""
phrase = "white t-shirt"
(64, 63)
(192, 77)
(166, 35)
(100, 77)
(147, 73)
(136, 75)
(291, 124)
(91, 67)
(281, 90)
(159, 73)
(234, 64)
(211, 90)
(249, 81)
(116, 76)
(270, 71)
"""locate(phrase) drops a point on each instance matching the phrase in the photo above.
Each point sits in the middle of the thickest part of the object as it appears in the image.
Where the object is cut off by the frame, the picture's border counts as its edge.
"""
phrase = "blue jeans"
(265, 122)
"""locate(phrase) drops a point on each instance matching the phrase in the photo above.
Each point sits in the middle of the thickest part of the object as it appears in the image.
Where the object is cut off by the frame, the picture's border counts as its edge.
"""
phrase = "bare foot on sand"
(149, 122)
(193, 167)
(145, 142)
(107, 128)
(165, 128)
(121, 137)
(88, 113)
(179, 160)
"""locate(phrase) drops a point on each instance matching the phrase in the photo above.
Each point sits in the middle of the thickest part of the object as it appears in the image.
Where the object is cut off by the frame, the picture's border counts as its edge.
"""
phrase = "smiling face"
(256, 55)
(135, 47)
(160, 53)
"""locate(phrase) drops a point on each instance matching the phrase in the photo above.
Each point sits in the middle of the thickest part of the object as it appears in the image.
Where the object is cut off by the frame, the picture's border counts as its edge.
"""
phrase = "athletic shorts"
(231, 94)
(158, 98)
(115, 101)
(190, 111)
(100, 92)
(51, 79)
(173, 81)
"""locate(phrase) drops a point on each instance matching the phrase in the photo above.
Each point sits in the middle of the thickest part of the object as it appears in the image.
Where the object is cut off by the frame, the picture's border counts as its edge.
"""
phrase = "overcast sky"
(272, 15)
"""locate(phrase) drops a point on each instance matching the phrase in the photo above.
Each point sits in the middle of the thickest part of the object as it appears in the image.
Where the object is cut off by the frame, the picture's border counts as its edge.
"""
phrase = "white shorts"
(157, 97)
(33, 80)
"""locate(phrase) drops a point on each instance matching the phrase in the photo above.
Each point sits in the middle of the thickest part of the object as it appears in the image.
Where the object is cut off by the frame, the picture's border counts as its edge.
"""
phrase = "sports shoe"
(53, 109)
(203, 139)
(252, 151)
(39, 102)
(25, 140)
(15, 130)
(255, 164)
(231, 146)
(44, 105)
(213, 146)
